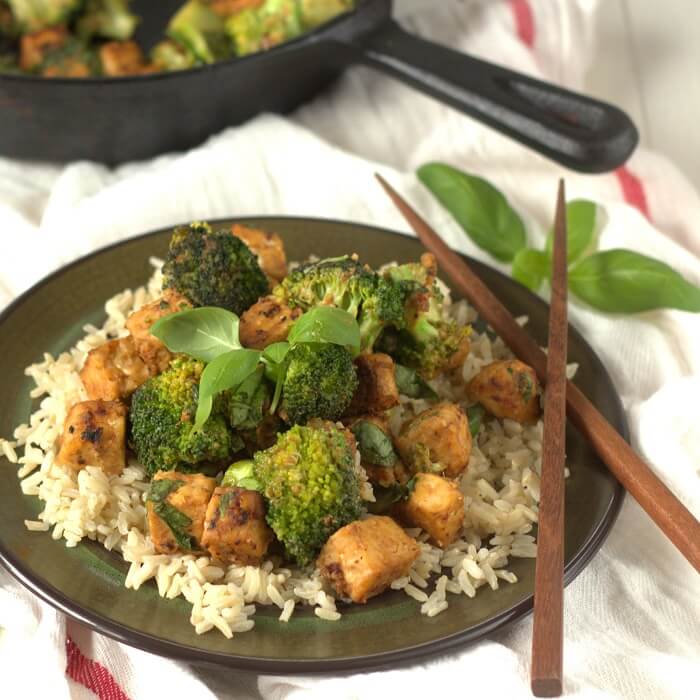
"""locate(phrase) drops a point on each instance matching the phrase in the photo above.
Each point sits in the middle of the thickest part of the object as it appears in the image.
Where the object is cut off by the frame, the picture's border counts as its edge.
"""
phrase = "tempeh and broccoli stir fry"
(81, 38)
(260, 401)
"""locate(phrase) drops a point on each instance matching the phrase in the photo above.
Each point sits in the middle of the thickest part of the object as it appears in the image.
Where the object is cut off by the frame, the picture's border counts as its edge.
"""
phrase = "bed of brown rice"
(501, 488)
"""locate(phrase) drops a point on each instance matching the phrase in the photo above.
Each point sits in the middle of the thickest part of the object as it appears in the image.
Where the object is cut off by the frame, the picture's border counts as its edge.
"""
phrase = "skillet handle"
(576, 131)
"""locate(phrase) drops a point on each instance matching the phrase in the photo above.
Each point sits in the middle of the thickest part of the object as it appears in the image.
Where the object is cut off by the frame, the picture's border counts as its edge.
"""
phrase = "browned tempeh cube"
(361, 559)
(268, 248)
(376, 391)
(190, 498)
(437, 435)
(507, 389)
(156, 356)
(265, 322)
(114, 370)
(122, 58)
(94, 435)
(34, 47)
(234, 527)
(436, 505)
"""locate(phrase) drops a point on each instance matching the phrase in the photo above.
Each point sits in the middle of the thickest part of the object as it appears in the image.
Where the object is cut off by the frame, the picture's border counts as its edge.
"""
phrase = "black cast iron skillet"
(121, 119)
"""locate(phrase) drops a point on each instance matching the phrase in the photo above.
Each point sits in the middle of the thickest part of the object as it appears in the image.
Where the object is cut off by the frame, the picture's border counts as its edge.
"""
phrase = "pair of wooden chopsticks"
(674, 519)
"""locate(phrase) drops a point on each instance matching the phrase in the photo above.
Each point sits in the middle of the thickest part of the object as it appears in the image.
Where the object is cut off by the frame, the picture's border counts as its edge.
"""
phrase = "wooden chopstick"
(546, 672)
(674, 519)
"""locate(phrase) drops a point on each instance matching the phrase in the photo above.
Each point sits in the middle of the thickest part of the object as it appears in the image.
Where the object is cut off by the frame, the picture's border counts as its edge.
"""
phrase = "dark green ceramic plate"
(87, 582)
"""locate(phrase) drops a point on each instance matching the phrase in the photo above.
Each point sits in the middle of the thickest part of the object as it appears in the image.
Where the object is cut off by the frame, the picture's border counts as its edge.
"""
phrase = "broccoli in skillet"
(317, 12)
(266, 25)
(169, 55)
(309, 481)
(426, 339)
(109, 19)
(320, 382)
(35, 15)
(213, 268)
(162, 422)
(201, 31)
(345, 283)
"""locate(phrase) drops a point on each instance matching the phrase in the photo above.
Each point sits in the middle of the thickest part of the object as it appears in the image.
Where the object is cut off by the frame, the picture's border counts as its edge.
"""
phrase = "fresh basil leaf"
(410, 384)
(225, 372)
(177, 522)
(475, 415)
(242, 475)
(326, 324)
(581, 236)
(204, 333)
(479, 208)
(622, 281)
(160, 489)
(224, 503)
(374, 444)
(530, 268)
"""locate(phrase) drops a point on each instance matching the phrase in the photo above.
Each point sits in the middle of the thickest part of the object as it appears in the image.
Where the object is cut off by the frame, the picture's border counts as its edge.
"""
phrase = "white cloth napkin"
(632, 616)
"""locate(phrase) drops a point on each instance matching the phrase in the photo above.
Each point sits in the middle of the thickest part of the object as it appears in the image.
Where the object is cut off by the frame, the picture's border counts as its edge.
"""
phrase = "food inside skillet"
(80, 38)
(244, 431)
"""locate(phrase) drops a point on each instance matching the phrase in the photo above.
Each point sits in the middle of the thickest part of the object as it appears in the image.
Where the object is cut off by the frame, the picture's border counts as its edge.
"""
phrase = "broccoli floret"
(426, 339)
(201, 31)
(213, 268)
(110, 19)
(162, 422)
(258, 28)
(316, 12)
(311, 486)
(35, 15)
(169, 55)
(320, 382)
(345, 283)
(334, 281)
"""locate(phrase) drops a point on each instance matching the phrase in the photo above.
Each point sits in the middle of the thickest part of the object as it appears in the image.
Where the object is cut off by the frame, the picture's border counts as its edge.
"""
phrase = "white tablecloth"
(632, 617)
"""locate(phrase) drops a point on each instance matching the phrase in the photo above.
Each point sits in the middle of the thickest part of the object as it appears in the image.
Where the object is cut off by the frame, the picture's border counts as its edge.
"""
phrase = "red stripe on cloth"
(632, 190)
(93, 676)
(524, 21)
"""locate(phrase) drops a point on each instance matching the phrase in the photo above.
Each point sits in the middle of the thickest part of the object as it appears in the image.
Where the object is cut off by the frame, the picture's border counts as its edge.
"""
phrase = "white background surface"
(646, 62)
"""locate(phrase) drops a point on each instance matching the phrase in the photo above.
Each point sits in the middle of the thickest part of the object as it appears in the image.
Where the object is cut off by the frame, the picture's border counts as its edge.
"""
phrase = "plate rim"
(175, 650)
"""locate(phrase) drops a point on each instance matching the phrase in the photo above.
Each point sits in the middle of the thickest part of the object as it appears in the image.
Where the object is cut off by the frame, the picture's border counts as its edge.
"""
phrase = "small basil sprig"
(211, 334)
(616, 281)
(532, 267)
(479, 208)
